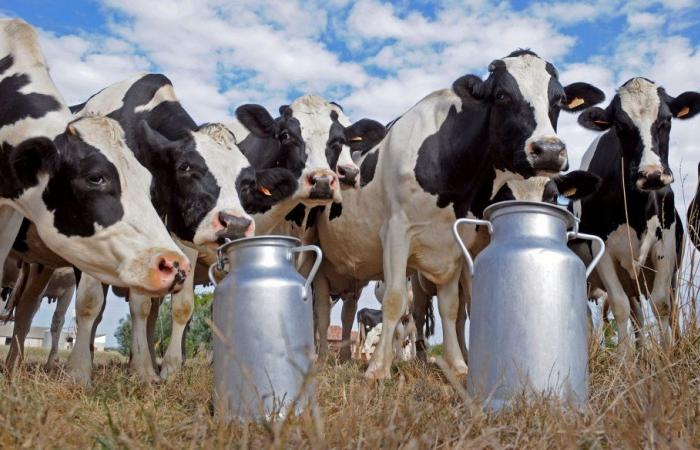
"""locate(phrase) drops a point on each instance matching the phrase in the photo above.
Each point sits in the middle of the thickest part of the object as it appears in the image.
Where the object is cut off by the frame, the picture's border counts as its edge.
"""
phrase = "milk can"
(263, 336)
(528, 317)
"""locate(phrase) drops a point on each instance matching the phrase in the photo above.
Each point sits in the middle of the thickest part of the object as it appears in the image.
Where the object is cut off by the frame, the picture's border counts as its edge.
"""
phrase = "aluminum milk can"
(528, 318)
(263, 335)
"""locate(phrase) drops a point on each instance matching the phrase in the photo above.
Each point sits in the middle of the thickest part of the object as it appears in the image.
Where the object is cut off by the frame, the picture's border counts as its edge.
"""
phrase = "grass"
(652, 401)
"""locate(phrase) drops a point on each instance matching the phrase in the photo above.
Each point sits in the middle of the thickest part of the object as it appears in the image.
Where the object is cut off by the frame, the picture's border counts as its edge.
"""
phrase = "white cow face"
(91, 204)
(640, 115)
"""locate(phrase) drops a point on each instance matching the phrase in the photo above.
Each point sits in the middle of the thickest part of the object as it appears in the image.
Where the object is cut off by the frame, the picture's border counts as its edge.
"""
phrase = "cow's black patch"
(84, 191)
(253, 186)
(336, 210)
(313, 216)
(15, 105)
(5, 63)
(296, 215)
(367, 168)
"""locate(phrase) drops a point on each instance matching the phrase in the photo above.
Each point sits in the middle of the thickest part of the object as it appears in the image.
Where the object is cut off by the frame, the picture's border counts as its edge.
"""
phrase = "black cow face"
(525, 97)
(186, 190)
(640, 114)
(283, 145)
(573, 185)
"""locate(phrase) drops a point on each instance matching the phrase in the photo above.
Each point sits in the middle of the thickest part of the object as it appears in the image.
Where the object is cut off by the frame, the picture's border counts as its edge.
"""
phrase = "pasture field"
(653, 401)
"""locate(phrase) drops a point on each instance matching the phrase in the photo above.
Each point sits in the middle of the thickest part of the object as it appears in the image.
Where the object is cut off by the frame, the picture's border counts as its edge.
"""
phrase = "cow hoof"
(80, 378)
(168, 368)
(378, 373)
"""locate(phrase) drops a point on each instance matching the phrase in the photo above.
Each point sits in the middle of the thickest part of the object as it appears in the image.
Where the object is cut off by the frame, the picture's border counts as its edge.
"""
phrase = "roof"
(335, 334)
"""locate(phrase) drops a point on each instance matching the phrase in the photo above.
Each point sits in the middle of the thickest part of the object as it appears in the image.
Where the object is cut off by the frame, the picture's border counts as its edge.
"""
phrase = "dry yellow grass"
(653, 401)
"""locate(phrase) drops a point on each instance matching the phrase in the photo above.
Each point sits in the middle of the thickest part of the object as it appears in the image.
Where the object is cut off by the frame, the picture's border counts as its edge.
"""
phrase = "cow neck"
(456, 162)
(266, 222)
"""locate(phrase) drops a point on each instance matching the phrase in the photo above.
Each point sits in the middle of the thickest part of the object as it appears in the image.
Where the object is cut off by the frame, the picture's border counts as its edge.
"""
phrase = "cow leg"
(322, 307)
(663, 255)
(461, 324)
(89, 301)
(420, 310)
(151, 323)
(637, 316)
(618, 301)
(449, 306)
(57, 321)
(395, 258)
(347, 316)
(27, 306)
(139, 307)
(10, 223)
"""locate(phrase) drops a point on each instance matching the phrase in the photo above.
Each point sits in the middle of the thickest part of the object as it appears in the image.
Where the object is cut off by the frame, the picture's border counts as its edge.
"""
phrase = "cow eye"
(284, 136)
(502, 97)
(184, 167)
(96, 179)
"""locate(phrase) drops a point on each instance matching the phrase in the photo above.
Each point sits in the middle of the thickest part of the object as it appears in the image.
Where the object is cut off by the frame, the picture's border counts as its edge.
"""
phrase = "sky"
(375, 58)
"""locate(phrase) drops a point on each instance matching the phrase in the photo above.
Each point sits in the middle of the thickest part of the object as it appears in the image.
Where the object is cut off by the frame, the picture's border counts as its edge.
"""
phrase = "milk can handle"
(314, 268)
(588, 237)
(218, 264)
(455, 232)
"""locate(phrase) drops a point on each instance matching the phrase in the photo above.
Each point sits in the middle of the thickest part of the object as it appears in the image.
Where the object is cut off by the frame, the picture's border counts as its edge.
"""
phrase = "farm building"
(41, 337)
(335, 338)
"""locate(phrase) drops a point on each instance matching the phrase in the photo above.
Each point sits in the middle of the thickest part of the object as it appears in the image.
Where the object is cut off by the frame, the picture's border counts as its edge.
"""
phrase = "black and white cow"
(203, 187)
(75, 179)
(694, 216)
(446, 158)
(634, 211)
(314, 139)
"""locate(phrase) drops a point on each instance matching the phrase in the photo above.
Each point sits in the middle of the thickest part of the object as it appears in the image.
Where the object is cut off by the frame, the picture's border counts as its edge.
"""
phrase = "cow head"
(89, 198)
(199, 181)
(524, 97)
(573, 185)
(641, 113)
(313, 139)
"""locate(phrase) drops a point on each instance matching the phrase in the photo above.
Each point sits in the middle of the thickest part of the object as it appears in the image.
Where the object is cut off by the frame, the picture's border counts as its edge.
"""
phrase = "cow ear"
(685, 105)
(256, 119)
(577, 184)
(364, 134)
(596, 119)
(580, 96)
(156, 147)
(32, 157)
(260, 190)
(470, 86)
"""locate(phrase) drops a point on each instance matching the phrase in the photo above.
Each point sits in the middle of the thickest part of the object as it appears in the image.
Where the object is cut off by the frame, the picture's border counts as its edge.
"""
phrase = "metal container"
(263, 335)
(528, 317)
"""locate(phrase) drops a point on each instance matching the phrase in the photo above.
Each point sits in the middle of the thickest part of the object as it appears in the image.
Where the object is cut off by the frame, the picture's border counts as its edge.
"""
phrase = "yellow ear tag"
(71, 130)
(683, 112)
(356, 139)
(600, 122)
(265, 191)
(569, 192)
(576, 101)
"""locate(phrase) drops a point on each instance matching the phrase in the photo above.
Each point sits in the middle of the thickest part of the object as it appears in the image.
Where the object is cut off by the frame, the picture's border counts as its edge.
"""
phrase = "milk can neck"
(528, 225)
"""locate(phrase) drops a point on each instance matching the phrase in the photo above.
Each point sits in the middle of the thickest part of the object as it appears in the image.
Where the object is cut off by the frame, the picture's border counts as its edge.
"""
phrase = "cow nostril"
(536, 149)
(342, 171)
(165, 267)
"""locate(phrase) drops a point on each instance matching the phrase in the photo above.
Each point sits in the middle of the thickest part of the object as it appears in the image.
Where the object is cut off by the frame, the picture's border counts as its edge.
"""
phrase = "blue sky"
(375, 58)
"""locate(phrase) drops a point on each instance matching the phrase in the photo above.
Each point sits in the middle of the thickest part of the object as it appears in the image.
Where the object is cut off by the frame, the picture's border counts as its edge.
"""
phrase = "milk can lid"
(287, 241)
(518, 206)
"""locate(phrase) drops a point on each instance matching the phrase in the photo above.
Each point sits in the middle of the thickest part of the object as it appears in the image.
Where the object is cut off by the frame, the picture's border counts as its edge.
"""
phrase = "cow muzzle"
(348, 174)
(233, 227)
(547, 154)
(167, 272)
(322, 185)
(652, 178)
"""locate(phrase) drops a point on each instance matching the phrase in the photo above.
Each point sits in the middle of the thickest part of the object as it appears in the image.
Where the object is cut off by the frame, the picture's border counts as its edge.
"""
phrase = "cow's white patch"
(623, 245)
(639, 98)
(531, 189)
(530, 72)
(165, 93)
(502, 178)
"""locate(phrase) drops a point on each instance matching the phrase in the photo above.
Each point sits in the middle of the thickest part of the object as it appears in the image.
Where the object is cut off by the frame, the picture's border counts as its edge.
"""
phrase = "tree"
(198, 337)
